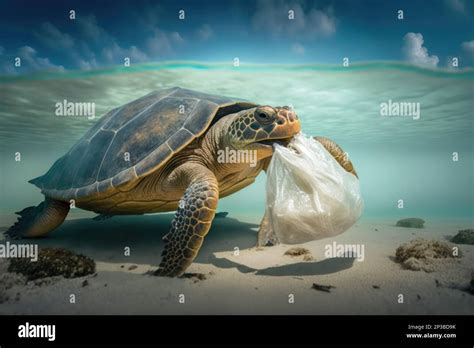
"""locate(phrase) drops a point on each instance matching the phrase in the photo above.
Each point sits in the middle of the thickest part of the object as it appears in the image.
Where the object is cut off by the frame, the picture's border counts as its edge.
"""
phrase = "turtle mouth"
(271, 142)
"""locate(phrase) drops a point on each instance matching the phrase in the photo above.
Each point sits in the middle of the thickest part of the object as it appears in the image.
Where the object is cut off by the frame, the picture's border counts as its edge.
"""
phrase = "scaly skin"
(205, 179)
(191, 183)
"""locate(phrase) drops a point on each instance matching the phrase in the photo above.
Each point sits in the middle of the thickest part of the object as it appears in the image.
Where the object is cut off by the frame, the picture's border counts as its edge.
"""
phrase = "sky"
(104, 33)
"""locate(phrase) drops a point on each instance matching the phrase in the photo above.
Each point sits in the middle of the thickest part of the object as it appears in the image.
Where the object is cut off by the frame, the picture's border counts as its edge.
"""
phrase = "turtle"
(160, 153)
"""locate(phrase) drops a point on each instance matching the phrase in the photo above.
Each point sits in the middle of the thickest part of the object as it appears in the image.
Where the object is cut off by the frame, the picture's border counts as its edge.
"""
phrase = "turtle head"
(261, 127)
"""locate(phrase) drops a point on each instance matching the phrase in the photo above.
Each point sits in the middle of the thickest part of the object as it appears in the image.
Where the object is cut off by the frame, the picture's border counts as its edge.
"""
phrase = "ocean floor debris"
(411, 222)
(464, 237)
(324, 288)
(298, 251)
(196, 277)
(53, 262)
(422, 254)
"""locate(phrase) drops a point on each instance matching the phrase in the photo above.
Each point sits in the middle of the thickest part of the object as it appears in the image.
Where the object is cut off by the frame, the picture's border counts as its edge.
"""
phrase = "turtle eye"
(263, 116)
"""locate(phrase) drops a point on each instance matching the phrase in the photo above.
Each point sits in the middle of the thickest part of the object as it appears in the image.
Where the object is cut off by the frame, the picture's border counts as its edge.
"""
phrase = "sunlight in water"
(397, 157)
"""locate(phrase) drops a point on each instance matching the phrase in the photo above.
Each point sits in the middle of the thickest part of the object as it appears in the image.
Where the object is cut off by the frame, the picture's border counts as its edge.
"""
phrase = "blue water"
(396, 157)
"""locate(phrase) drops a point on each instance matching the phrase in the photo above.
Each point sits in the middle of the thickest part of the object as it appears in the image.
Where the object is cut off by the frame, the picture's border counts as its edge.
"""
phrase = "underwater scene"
(416, 181)
(311, 160)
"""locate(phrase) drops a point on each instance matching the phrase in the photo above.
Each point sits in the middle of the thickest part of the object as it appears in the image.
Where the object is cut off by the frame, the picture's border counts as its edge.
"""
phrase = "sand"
(250, 281)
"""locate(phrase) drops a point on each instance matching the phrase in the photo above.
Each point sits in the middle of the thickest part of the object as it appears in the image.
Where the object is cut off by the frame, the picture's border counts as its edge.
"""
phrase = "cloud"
(83, 56)
(108, 47)
(116, 54)
(322, 23)
(273, 16)
(468, 47)
(91, 30)
(162, 43)
(52, 37)
(457, 5)
(32, 62)
(77, 50)
(415, 52)
(298, 48)
(86, 64)
(159, 43)
(93, 46)
(205, 32)
(147, 17)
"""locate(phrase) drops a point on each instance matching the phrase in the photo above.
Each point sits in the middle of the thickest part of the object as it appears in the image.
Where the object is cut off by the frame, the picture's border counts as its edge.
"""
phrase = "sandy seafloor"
(253, 282)
(395, 157)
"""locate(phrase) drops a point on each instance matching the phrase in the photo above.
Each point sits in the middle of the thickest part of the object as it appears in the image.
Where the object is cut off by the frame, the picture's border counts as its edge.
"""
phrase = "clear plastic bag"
(309, 195)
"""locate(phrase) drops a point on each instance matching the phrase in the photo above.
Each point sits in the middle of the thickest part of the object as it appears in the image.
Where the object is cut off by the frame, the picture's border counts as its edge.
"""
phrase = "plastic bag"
(309, 195)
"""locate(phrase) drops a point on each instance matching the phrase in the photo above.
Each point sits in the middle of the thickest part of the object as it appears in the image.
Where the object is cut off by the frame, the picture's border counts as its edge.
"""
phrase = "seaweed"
(411, 222)
(464, 237)
(420, 254)
(53, 262)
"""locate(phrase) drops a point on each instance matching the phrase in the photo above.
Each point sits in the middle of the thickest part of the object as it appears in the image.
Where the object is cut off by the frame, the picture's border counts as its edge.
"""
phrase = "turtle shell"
(134, 140)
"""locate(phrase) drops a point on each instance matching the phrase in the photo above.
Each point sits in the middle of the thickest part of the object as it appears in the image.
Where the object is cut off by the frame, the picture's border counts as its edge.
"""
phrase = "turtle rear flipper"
(39, 220)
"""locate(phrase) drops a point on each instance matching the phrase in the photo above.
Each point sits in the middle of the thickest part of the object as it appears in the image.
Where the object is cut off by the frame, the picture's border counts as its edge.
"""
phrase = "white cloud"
(298, 48)
(116, 54)
(205, 32)
(52, 37)
(415, 52)
(94, 46)
(162, 43)
(158, 44)
(86, 64)
(77, 50)
(457, 5)
(468, 47)
(321, 22)
(273, 16)
(31, 61)
(83, 56)
(110, 50)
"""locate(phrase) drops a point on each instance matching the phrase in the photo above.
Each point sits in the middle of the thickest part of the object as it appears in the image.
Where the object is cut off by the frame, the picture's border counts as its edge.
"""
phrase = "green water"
(396, 157)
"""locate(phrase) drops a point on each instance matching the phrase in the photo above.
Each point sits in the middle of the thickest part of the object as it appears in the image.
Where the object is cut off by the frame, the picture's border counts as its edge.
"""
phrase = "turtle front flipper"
(338, 153)
(192, 221)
